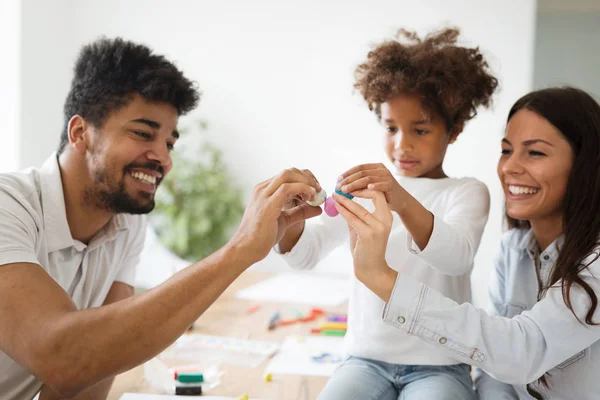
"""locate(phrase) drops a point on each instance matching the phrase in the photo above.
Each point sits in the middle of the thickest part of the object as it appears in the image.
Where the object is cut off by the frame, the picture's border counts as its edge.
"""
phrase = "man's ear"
(457, 130)
(78, 130)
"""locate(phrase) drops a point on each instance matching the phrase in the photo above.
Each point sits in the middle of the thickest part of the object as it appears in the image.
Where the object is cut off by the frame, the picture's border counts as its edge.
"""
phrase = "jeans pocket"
(572, 360)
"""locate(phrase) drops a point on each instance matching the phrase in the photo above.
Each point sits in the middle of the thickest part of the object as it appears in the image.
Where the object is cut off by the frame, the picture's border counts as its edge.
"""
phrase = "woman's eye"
(145, 135)
(536, 153)
(505, 152)
(391, 129)
(421, 131)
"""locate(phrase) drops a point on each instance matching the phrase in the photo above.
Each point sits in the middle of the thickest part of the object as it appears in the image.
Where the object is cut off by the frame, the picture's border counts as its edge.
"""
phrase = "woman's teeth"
(521, 190)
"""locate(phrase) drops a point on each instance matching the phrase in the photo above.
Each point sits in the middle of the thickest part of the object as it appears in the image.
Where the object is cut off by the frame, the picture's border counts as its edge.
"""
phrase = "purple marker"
(338, 318)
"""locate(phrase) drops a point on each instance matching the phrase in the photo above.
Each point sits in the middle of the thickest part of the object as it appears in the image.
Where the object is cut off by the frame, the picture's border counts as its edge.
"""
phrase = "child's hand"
(374, 177)
(369, 234)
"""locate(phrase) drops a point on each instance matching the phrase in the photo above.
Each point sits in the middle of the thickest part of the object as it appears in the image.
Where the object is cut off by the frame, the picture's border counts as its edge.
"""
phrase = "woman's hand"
(369, 234)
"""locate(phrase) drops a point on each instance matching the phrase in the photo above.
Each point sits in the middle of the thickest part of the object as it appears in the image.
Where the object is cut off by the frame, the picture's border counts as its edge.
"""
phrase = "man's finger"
(291, 175)
(288, 191)
(306, 171)
(302, 212)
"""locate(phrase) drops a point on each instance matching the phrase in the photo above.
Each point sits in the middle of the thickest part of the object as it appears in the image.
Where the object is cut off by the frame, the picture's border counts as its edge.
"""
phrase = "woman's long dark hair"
(577, 116)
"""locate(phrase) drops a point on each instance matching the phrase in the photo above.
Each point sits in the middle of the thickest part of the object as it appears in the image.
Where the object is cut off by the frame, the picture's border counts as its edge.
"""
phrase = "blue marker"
(347, 195)
(273, 321)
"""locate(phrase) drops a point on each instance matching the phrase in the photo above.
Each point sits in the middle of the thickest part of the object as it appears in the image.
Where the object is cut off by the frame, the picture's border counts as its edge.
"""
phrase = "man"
(71, 233)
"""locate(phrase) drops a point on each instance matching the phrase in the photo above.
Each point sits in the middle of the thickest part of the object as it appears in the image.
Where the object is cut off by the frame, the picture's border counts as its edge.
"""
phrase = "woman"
(542, 334)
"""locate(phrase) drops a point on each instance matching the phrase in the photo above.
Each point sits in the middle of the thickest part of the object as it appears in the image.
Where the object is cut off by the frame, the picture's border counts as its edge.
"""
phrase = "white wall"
(277, 79)
(566, 50)
(48, 47)
(10, 29)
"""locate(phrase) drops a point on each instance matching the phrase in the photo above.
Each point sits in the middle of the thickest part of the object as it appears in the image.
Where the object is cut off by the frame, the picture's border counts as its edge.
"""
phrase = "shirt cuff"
(439, 245)
(300, 251)
(417, 310)
(402, 309)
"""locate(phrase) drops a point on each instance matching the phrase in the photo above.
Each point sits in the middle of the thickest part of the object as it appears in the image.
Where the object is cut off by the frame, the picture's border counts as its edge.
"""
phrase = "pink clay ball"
(330, 207)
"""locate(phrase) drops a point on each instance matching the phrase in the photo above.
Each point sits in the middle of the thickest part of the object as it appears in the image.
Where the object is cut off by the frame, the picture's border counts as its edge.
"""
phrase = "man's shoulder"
(24, 183)
(20, 192)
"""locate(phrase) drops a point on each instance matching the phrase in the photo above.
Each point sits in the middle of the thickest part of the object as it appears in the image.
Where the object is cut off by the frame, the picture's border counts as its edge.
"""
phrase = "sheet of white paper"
(295, 357)
(303, 288)
(220, 350)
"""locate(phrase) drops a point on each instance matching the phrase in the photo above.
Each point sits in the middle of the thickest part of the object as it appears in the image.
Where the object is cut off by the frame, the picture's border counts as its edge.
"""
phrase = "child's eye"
(170, 146)
(421, 131)
(506, 152)
(391, 129)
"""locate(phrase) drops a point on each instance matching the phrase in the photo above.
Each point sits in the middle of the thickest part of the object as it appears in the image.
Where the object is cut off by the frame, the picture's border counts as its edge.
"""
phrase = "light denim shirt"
(521, 338)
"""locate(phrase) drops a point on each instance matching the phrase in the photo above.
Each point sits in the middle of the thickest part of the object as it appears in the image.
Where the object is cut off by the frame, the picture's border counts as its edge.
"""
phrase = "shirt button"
(443, 340)
(401, 320)
(546, 257)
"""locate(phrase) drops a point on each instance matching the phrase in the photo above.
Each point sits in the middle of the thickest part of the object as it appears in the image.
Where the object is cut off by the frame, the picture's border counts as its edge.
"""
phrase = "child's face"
(416, 141)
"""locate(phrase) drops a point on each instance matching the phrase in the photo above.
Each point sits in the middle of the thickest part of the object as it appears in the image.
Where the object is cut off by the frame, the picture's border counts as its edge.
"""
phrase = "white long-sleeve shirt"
(460, 208)
(523, 338)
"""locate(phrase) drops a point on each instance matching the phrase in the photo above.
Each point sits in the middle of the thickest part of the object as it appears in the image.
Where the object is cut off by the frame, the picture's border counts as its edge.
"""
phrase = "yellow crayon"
(335, 326)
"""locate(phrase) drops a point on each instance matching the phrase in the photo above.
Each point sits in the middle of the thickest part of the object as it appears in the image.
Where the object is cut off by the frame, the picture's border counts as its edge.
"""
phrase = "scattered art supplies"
(140, 396)
(300, 288)
(331, 328)
(197, 379)
(313, 315)
(220, 350)
(198, 357)
(308, 356)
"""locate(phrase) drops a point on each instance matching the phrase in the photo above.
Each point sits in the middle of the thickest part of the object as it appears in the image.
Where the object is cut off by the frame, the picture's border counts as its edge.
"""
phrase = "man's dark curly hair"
(453, 81)
(109, 71)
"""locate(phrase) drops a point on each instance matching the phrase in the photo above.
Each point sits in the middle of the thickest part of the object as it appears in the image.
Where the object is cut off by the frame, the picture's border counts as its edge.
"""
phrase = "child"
(423, 92)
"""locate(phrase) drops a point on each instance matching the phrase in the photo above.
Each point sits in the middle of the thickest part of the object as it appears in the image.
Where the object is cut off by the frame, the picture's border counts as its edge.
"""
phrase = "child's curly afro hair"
(452, 80)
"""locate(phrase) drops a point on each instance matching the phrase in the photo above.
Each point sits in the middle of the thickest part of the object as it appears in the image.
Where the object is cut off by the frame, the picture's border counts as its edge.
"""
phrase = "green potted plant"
(198, 204)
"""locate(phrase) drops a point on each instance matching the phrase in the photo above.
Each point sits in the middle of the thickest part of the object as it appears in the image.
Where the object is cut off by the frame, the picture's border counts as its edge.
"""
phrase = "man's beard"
(112, 196)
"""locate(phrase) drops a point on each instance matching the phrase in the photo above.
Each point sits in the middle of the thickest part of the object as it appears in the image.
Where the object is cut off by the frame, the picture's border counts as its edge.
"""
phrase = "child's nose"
(402, 142)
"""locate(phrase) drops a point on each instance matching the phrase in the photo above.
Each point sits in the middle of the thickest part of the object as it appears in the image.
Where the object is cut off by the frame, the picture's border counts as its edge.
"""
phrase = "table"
(228, 317)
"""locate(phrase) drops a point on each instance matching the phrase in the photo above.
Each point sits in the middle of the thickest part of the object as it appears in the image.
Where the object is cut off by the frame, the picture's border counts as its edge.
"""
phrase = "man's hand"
(272, 210)
(373, 177)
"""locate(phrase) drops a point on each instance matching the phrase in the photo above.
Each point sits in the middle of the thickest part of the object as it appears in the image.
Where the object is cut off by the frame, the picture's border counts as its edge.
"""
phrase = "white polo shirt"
(34, 229)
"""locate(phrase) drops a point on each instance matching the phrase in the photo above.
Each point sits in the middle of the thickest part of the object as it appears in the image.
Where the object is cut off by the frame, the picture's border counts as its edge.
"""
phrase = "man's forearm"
(97, 392)
(94, 344)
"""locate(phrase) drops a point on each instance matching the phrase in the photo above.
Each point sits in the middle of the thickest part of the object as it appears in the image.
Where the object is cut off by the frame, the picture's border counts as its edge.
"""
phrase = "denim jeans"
(363, 379)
